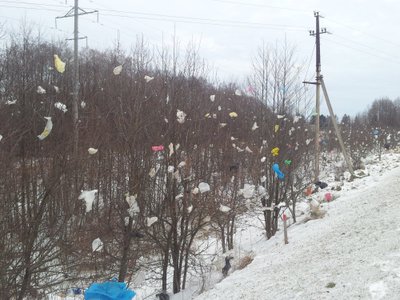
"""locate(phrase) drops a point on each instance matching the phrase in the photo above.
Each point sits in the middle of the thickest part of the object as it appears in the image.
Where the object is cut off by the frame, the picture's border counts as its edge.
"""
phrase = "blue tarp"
(110, 290)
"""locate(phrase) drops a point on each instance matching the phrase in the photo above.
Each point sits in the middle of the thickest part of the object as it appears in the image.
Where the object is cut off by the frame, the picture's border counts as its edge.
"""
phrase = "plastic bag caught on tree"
(233, 114)
(117, 70)
(47, 129)
(40, 90)
(97, 245)
(59, 64)
(180, 116)
(61, 106)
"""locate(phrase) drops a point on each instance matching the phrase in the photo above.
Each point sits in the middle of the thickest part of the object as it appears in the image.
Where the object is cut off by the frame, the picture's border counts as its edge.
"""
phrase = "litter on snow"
(47, 129)
(109, 290)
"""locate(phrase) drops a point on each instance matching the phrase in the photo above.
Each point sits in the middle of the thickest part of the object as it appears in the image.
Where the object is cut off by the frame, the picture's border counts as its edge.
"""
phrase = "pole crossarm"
(81, 12)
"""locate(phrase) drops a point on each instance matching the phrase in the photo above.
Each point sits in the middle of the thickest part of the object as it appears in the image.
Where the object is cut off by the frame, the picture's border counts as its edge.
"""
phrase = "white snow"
(351, 253)
(151, 221)
(88, 196)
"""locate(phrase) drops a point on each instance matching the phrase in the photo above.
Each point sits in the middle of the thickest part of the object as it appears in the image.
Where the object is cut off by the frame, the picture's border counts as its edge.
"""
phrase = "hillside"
(352, 253)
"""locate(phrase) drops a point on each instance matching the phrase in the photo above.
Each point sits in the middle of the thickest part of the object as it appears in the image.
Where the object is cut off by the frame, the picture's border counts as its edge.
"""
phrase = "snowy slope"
(354, 249)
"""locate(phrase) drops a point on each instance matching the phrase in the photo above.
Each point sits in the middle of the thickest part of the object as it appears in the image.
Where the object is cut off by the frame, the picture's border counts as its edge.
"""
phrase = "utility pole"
(317, 33)
(318, 83)
(76, 12)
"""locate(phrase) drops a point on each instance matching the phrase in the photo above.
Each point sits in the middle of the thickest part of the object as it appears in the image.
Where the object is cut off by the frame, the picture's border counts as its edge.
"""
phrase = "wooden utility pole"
(75, 12)
(318, 83)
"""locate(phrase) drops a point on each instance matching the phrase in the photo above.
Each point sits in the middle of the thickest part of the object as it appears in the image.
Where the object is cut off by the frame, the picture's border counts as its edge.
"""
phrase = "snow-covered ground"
(351, 253)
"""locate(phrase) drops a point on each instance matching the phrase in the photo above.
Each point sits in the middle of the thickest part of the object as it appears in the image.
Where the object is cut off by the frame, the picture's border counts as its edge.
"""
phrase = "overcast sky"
(360, 59)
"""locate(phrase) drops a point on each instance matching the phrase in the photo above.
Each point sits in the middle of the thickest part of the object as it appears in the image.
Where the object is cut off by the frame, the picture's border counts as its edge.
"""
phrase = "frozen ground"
(352, 253)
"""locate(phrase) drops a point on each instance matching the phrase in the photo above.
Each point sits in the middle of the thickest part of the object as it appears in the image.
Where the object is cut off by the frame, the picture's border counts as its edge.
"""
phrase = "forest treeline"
(151, 206)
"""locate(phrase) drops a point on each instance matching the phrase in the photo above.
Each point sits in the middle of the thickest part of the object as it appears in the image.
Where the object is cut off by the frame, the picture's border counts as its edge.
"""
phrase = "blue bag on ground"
(110, 290)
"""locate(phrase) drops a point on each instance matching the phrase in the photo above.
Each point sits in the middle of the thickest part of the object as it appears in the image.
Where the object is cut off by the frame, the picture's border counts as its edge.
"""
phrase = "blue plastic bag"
(278, 172)
(110, 290)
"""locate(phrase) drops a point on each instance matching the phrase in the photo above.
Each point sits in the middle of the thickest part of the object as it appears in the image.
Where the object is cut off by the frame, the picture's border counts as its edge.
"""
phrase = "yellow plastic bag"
(59, 64)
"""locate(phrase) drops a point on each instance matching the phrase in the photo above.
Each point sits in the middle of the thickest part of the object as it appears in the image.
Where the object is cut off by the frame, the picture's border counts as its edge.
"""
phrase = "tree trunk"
(125, 250)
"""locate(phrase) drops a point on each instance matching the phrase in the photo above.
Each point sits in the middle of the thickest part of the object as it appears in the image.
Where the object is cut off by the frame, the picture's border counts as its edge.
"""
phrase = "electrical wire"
(262, 5)
(165, 17)
(363, 32)
(224, 23)
(363, 51)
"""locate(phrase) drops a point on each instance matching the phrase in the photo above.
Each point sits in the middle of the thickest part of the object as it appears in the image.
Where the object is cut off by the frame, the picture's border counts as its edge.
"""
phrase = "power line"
(363, 32)
(362, 45)
(214, 22)
(363, 51)
(161, 17)
(261, 5)
(31, 3)
(31, 8)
